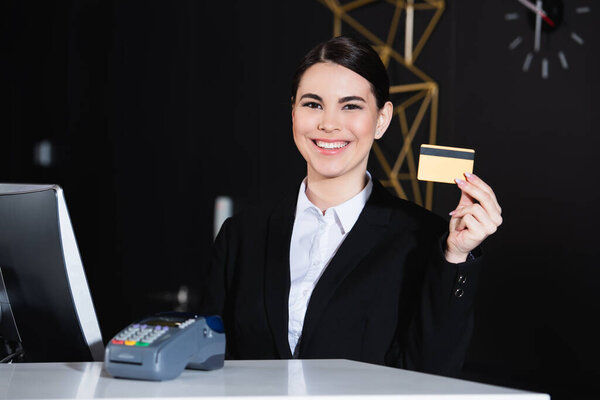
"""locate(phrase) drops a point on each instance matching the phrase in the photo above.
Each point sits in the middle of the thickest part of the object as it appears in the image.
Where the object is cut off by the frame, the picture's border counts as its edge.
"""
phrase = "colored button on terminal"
(130, 343)
(115, 341)
(142, 344)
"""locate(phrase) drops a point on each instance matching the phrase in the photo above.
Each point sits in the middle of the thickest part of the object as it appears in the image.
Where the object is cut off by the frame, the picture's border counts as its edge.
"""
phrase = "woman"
(342, 269)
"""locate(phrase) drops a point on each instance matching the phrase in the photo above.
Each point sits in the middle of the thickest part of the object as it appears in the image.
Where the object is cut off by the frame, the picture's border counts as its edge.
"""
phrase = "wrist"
(455, 257)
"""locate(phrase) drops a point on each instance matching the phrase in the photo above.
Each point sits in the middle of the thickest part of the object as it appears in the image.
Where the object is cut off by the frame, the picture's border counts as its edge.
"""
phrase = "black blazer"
(387, 297)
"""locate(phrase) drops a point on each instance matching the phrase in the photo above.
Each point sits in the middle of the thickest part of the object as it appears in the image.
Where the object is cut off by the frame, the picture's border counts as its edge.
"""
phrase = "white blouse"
(315, 240)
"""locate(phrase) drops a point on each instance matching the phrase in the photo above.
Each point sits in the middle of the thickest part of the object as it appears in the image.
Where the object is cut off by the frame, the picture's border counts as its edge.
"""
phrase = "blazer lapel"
(277, 274)
(366, 233)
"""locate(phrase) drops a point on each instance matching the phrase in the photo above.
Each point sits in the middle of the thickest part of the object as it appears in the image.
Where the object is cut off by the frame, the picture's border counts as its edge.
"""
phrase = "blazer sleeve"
(441, 321)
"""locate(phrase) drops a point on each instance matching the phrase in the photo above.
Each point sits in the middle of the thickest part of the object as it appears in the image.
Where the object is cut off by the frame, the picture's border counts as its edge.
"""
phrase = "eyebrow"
(351, 98)
(341, 100)
(311, 96)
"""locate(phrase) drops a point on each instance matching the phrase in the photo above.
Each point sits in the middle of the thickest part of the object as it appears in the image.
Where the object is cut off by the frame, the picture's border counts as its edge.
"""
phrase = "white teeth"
(330, 145)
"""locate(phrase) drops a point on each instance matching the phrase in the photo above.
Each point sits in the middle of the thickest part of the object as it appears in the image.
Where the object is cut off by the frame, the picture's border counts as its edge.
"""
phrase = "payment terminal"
(162, 346)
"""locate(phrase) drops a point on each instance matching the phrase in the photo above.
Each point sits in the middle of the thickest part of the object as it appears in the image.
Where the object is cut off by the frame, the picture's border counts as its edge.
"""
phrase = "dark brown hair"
(350, 53)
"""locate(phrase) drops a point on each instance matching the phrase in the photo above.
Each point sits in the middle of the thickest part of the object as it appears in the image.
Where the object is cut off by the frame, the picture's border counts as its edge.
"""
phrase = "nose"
(328, 122)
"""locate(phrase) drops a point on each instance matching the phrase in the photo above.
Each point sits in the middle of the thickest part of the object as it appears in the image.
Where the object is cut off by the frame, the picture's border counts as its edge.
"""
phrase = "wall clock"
(547, 33)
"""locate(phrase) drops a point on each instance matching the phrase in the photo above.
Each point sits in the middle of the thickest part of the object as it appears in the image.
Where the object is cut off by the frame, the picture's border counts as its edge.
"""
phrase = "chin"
(330, 172)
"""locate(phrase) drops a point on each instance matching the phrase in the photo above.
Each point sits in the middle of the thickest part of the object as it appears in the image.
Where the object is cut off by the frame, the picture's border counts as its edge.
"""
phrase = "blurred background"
(146, 111)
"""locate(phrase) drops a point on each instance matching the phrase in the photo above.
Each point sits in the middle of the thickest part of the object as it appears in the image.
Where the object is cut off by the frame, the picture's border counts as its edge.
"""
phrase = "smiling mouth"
(330, 145)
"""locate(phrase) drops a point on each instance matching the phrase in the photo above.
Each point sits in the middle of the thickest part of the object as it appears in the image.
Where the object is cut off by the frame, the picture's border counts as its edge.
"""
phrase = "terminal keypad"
(144, 335)
(140, 335)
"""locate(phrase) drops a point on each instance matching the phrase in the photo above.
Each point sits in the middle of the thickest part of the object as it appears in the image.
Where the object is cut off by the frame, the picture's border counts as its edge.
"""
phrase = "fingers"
(479, 183)
(466, 235)
(483, 194)
(465, 199)
(487, 225)
(470, 222)
(469, 233)
(477, 216)
(491, 220)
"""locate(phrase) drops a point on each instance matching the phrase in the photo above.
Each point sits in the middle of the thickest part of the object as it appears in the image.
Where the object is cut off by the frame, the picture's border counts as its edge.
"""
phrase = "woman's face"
(335, 120)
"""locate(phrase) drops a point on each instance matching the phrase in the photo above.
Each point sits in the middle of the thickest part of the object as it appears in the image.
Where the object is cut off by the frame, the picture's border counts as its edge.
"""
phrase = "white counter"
(272, 379)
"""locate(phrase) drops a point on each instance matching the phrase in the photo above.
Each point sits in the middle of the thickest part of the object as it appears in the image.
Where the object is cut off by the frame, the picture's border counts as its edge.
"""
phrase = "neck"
(326, 192)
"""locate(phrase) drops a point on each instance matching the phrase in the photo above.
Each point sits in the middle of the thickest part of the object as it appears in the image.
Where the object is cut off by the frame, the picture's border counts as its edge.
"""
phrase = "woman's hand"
(477, 216)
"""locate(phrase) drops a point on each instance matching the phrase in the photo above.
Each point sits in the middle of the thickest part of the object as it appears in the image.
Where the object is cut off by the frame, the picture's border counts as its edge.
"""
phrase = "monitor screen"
(46, 291)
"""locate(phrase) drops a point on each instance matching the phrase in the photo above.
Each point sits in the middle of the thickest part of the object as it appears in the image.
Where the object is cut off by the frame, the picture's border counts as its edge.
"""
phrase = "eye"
(312, 104)
(352, 106)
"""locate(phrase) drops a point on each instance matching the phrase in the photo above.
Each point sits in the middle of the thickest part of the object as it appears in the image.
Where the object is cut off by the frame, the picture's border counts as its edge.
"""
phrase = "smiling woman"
(335, 120)
(342, 269)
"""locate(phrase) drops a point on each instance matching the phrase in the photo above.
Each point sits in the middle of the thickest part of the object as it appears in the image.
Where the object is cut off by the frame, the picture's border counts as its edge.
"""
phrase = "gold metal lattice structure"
(422, 94)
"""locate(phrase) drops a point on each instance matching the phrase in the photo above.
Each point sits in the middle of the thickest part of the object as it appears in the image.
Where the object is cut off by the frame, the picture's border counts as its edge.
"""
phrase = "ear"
(383, 119)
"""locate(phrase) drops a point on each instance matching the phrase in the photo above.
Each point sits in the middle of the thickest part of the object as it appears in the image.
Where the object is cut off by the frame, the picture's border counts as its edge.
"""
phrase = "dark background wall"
(155, 108)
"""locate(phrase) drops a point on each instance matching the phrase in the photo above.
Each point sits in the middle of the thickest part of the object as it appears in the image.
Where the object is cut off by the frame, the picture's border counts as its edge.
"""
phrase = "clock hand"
(538, 28)
(538, 11)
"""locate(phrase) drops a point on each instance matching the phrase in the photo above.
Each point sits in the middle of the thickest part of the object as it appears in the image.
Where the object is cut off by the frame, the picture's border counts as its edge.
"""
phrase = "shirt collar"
(347, 213)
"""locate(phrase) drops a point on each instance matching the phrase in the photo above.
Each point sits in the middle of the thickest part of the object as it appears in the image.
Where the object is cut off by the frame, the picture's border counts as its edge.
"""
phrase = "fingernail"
(452, 212)
(459, 182)
(468, 175)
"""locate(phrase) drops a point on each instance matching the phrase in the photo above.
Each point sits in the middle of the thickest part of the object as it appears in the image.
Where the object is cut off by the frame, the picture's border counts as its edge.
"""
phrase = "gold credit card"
(444, 164)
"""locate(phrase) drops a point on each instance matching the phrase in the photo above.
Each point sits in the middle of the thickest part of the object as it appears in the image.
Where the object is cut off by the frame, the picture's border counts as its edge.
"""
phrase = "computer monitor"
(46, 304)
